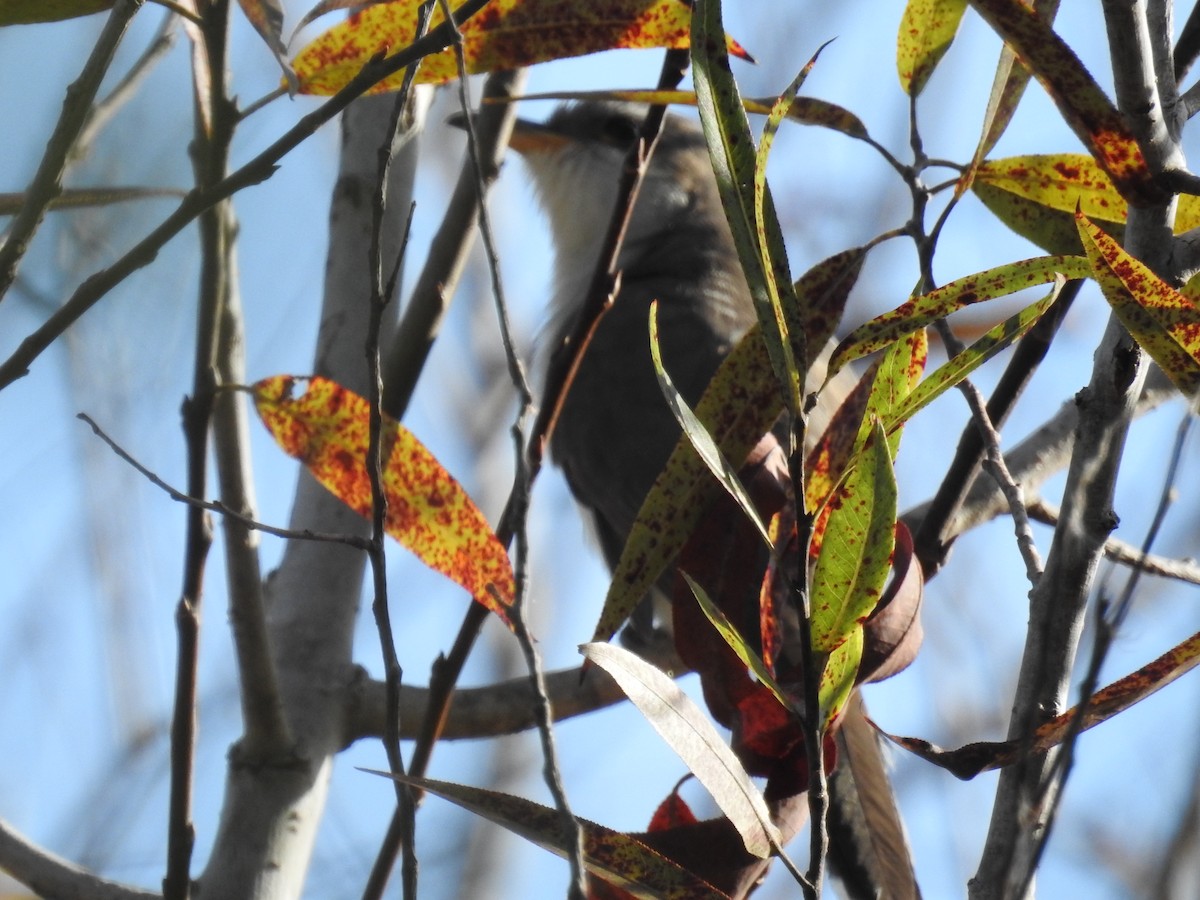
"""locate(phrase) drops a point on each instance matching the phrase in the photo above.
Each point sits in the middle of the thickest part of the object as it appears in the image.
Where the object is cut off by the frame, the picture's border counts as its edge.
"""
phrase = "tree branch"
(52, 876)
(47, 182)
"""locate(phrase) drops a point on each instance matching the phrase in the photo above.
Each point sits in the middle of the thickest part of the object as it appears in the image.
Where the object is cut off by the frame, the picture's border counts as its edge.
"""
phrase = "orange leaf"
(427, 510)
(505, 34)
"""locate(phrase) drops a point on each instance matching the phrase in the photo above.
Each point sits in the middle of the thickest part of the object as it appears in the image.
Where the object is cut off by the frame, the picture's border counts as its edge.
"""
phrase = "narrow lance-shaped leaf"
(731, 148)
(1162, 320)
(697, 434)
(688, 731)
(963, 364)
(969, 760)
(927, 308)
(736, 642)
(851, 570)
(891, 381)
(1083, 105)
(927, 29)
(267, 18)
(504, 35)
(428, 512)
(784, 303)
(738, 407)
(75, 198)
(898, 376)
(610, 855)
(26, 12)
(804, 110)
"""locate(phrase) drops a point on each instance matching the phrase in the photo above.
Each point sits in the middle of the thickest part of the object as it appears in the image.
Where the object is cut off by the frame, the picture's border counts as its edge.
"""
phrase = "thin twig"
(522, 484)
(933, 539)
(213, 128)
(47, 182)
(258, 169)
(998, 469)
(1122, 552)
(102, 113)
(447, 669)
(216, 505)
(405, 801)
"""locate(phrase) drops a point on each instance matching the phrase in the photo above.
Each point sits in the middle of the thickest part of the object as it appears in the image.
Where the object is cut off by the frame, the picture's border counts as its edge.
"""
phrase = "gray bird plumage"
(616, 431)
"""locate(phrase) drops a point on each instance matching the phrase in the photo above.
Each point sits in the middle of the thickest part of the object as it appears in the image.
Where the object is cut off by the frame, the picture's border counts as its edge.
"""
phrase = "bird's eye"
(621, 131)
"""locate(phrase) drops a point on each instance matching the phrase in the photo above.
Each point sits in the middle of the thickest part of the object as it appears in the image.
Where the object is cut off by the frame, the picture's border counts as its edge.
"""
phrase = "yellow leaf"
(505, 34)
(1161, 319)
(428, 512)
(927, 29)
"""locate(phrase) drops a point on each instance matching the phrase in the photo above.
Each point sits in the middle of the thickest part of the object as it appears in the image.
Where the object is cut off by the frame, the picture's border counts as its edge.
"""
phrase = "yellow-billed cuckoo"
(615, 431)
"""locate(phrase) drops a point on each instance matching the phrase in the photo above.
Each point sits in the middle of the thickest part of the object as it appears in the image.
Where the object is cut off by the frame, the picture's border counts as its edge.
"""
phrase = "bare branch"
(47, 182)
(52, 876)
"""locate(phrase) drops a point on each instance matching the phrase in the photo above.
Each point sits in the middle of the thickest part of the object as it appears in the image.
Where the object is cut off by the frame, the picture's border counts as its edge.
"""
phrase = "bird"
(615, 430)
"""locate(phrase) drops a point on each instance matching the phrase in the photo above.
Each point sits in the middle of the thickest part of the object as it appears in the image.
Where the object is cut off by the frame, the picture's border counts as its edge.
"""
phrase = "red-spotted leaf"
(504, 35)
(1083, 105)
(969, 760)
(963, 364)
(899, 374)
(927, 29)
(851, 569)
(685, 728)
(1059, 181)
(326, 428)
(617, 858)
(1036, 196)
(1008, 87)
(826, 465)
(737, 408)
(1162, 320)
(924, 310)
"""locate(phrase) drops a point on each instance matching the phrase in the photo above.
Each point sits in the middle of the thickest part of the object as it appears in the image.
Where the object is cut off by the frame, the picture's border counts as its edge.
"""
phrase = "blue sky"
(91, 554)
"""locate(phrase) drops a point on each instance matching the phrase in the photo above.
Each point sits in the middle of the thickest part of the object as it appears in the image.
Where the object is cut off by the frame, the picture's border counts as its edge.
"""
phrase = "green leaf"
(687, 730)
(701, 441)
(927, 29)
(963, 364)
(899, 374)
(731, 148)
(851, 569)
(737, 643)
